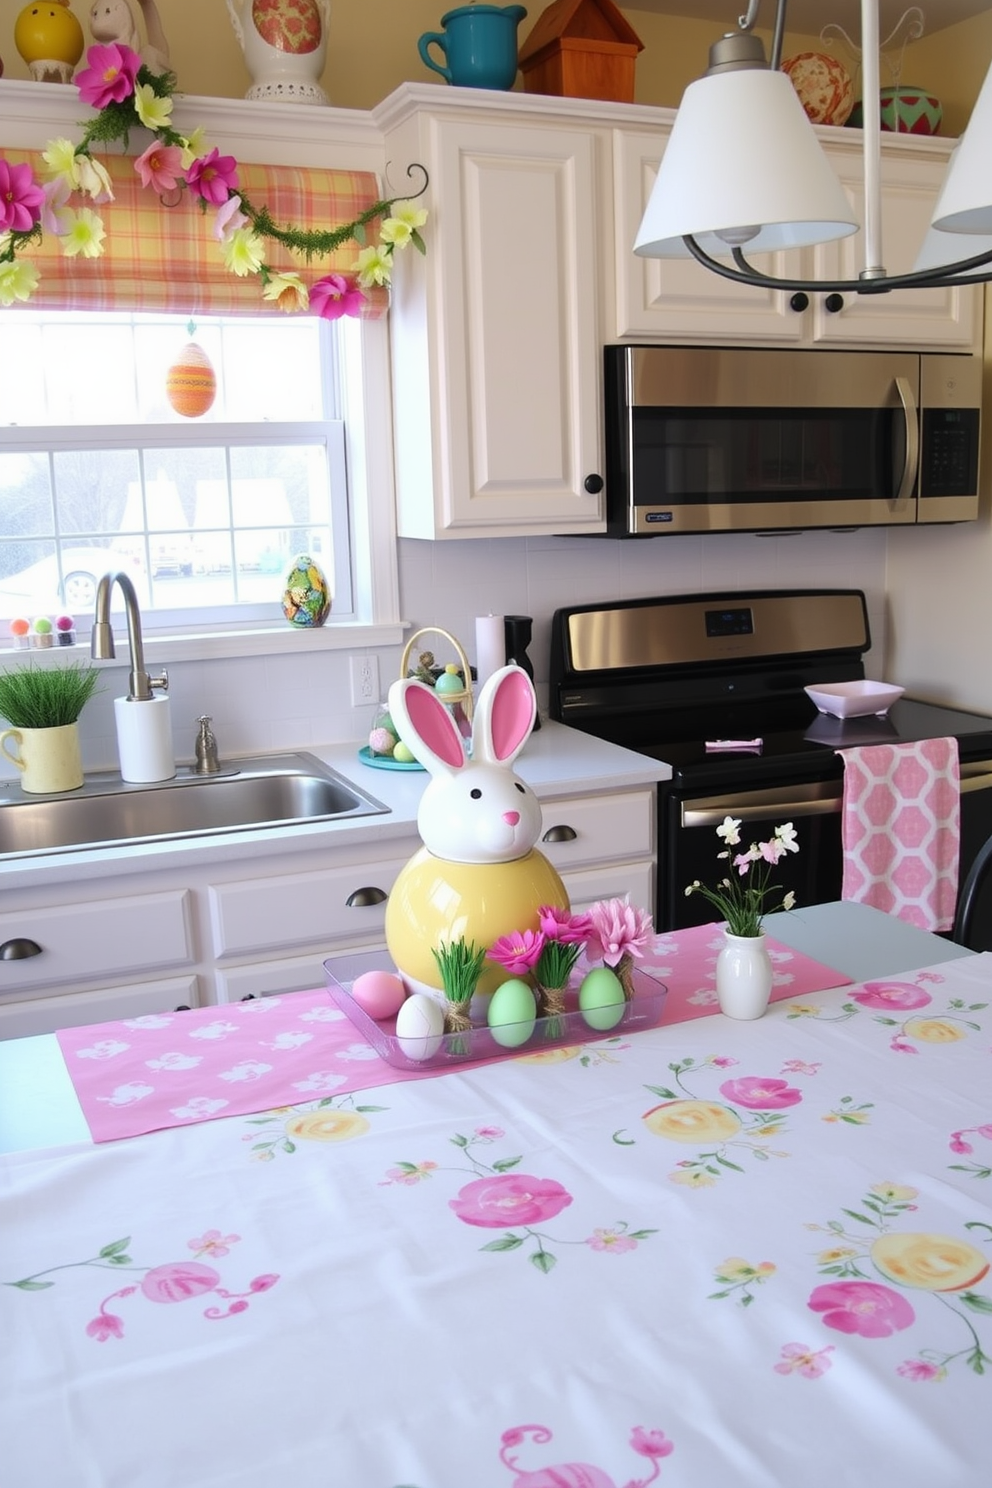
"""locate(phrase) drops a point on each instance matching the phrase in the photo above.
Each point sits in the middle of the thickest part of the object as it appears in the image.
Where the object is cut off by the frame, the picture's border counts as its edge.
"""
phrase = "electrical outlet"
(364, 680)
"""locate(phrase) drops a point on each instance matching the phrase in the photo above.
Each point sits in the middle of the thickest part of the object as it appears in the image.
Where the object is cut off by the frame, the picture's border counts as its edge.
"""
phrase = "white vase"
(743, 976)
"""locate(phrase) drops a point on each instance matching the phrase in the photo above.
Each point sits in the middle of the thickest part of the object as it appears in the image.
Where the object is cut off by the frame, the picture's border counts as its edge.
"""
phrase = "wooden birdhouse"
(581, 49)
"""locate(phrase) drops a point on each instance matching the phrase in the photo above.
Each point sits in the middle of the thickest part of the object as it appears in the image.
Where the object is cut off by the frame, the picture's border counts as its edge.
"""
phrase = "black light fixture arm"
(941, 277)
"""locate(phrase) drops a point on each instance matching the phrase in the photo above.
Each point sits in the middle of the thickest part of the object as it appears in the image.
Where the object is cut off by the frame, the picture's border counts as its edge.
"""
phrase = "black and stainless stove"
(713, 686)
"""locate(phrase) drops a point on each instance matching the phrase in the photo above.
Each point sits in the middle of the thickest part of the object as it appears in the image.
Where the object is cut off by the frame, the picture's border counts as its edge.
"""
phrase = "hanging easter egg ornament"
(306, 600)
(191, 382)
(50, 39)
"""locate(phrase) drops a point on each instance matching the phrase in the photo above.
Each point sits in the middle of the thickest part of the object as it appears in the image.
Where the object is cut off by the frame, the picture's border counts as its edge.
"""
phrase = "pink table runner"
(163, 1070)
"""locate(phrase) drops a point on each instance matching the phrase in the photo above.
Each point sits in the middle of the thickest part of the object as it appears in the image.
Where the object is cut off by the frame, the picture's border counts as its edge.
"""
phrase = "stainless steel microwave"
(735, 439)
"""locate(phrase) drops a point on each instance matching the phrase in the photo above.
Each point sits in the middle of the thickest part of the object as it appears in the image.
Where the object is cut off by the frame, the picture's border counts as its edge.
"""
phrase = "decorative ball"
(191, 383)
(905, 110)
(306, 600)
(49, 32)
(823, 85)
(381, 741)
(288, 25)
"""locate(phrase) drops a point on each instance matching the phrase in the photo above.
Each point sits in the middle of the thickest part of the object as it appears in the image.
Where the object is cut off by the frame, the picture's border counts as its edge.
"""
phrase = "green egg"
(403, 753)
(601, 999)
(512, 1013)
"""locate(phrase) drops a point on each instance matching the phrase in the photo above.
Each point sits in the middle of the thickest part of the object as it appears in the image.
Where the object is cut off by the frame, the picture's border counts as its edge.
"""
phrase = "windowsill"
(206, 646)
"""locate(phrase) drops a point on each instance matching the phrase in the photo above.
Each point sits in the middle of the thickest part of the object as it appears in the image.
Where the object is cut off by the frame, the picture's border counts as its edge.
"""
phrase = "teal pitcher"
(479, 44)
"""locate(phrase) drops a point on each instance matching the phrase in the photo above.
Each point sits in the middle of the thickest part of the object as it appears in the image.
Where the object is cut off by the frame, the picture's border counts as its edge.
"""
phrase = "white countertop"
(556, 761)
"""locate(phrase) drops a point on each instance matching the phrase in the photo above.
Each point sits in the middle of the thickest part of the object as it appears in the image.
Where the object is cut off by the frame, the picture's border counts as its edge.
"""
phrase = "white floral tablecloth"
(712, 1255)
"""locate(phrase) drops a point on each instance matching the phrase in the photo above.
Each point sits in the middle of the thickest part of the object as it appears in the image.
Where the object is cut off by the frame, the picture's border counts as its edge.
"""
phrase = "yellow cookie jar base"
(435, 900)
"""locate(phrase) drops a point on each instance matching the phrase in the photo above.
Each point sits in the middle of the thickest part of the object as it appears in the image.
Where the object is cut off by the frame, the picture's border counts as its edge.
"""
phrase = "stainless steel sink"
(276, 790)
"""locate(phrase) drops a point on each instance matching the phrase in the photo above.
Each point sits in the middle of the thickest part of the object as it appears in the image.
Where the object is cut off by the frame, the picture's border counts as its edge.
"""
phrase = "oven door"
(689, 846)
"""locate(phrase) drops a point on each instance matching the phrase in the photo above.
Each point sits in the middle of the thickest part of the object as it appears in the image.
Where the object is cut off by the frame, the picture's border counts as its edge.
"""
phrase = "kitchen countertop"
(556, 761)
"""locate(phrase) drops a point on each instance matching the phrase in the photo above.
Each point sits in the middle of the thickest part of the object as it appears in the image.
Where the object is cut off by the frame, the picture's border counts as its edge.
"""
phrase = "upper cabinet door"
(677, 299)
(938, 319)
(495, 342)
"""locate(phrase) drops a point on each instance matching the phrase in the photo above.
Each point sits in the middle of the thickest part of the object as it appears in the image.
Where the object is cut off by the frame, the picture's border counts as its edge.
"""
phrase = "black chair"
(966, 927)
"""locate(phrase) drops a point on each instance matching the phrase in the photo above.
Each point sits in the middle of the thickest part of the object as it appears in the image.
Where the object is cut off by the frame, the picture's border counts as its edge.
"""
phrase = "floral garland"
(125, 93)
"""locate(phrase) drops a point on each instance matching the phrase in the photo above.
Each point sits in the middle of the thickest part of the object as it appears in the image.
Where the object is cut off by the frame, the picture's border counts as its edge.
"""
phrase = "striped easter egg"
(191, 383)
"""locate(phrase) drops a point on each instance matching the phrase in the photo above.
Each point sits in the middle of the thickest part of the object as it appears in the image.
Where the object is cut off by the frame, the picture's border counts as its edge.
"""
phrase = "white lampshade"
(939, 248)
(742, 154)
(965, 201)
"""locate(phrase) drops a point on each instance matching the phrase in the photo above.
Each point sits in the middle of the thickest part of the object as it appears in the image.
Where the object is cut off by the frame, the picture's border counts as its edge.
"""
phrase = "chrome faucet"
(102, 636)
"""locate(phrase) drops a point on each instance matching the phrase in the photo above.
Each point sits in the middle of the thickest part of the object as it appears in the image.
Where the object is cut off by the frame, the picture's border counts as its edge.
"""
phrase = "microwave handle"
(912, 460)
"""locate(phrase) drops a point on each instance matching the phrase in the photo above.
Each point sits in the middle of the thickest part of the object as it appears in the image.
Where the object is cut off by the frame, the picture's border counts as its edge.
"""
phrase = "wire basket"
(458, 698)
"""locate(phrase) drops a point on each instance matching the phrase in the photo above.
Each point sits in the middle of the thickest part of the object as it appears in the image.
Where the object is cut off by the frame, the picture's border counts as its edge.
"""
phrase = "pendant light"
(744, 170)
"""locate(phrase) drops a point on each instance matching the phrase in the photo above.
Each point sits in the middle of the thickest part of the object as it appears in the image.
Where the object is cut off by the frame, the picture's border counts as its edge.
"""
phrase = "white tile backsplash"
(284, 702)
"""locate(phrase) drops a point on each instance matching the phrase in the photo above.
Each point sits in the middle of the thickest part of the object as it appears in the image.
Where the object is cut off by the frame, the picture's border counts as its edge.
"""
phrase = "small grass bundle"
(35, 697)
(460, 965)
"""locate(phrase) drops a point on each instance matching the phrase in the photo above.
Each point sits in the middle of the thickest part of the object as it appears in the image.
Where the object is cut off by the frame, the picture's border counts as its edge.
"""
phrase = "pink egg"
(379, 993)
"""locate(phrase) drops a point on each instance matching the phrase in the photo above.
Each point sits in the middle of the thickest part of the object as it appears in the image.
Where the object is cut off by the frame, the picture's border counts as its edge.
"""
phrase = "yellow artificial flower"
(372, 267)
(92, 179)
(154, 112)
(194, 147)
(18, 281)
(84, 233)
(60, 159)
(287, 291)
(244, 252)
(401, 226)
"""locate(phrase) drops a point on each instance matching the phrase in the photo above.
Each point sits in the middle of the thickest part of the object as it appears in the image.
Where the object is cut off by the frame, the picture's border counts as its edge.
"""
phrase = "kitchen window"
(98, 471)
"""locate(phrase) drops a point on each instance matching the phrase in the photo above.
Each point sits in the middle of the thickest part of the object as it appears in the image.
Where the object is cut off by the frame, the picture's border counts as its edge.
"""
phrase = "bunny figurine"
(478, 875)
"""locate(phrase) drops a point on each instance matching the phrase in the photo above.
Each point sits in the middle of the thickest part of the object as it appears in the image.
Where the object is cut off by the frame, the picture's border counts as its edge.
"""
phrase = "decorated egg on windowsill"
(306, 599)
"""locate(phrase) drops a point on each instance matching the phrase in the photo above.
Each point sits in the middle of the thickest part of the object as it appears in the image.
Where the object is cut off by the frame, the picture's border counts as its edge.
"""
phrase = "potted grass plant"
(42, 704)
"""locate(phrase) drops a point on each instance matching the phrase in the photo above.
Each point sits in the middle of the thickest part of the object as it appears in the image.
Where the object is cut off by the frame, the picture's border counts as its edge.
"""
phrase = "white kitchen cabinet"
(495, 346)
(668, 300)
(23, 1017)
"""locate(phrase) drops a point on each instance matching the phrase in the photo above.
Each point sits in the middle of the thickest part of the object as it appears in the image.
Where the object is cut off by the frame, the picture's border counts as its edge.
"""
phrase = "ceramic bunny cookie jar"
(478, 875)
(113, 21)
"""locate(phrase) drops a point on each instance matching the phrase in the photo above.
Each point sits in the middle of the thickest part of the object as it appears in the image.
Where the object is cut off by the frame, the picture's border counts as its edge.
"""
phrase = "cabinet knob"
(799, 301)
(364, 898)
(593, 484)
(19, 949)
(561, 833)
(833, 303)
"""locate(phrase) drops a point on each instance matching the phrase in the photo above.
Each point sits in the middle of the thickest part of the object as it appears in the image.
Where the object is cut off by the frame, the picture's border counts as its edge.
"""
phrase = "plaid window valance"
(167, 258)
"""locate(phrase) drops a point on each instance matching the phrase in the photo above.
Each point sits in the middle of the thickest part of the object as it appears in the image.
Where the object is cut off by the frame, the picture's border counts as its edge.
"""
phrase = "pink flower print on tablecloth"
(889, 996)
(799, 1358)
(863, 1307)
(509, 1198)
(758, 1094)
(654, 1445)
(959, 1145)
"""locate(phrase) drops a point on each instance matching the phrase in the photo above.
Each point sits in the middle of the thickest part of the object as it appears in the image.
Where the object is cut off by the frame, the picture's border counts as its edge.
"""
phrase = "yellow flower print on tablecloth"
(552, 1056)
(932, 1263)
(737, 1275)
(327, 1126)
(323, 1121)
(934, 1030)
(693, 1121)
(696, 1121)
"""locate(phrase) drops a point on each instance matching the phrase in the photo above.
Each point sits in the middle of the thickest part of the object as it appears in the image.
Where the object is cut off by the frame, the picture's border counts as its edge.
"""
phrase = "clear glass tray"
(643, 1011)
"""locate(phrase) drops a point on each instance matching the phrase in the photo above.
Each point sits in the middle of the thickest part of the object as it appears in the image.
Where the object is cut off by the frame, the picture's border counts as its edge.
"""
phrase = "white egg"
(420, 1027)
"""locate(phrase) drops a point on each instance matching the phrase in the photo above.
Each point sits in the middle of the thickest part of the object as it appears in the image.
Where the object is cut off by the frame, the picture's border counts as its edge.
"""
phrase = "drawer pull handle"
(365, 898)
(19, 949)
(560, 833)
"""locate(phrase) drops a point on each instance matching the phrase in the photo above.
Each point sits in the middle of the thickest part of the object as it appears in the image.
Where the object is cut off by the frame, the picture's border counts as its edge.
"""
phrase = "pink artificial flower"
(214, 177)
(862, 1307)
(336, 295)
(800, 1359)
(519, 952)
(509, 1199)
(21, 198)
(57, 193)
(651, 1444)
(228, 219)
(179, 1282)
(110, 75)
(618, 930)
(889, 995)
(160, 167)
(559, 924)
(105, 1325)
(761, 1095)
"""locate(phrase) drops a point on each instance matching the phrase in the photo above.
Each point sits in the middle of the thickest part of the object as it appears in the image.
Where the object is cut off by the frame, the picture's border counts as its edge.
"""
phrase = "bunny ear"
(426, 727)
(504, 716)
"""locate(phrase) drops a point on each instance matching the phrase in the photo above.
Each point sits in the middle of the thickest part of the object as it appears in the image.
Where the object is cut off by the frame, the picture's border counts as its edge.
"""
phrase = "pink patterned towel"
(900, 828)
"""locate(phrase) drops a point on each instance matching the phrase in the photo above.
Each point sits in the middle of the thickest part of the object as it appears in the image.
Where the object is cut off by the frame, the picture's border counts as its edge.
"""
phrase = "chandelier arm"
(942, 277)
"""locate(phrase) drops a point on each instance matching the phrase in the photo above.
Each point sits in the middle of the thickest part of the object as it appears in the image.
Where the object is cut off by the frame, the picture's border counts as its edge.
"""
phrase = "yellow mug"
(48, 758)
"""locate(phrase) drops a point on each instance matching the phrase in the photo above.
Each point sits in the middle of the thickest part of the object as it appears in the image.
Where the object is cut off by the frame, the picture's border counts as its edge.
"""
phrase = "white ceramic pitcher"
(286, 62)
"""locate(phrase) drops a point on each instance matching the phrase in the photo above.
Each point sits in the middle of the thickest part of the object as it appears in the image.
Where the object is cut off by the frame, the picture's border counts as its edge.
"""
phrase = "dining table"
(705, 1253)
